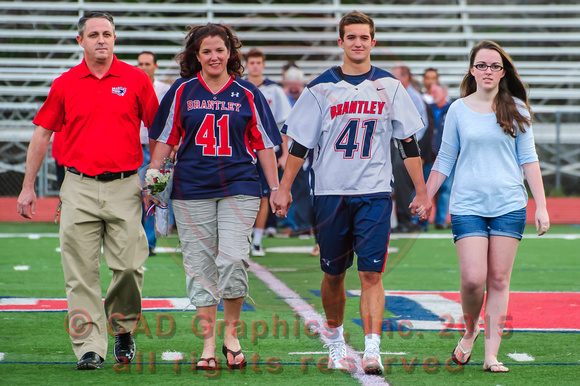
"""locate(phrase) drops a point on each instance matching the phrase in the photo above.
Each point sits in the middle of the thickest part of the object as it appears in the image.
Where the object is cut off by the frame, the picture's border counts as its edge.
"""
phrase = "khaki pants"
(109, 214)
(215, 240)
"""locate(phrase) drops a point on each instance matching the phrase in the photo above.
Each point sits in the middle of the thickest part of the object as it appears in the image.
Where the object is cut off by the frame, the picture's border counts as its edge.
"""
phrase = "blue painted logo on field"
(407, 313)
(441, 311)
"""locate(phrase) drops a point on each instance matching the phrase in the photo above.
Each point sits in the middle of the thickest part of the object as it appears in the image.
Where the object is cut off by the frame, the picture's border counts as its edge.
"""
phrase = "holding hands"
(421, 206)
(280, 201)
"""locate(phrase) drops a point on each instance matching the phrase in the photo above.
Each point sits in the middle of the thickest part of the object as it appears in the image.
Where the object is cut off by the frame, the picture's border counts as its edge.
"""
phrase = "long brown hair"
(188, 57)
(506, 111)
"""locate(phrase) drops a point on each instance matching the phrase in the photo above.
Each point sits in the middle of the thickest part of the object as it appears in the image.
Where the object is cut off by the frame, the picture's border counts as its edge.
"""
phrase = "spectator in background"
(403, 185)
(293, 82)
(301, 211)
(439, 107)
(280, 107)
(98, 106)
(430, 76)
(147, 61)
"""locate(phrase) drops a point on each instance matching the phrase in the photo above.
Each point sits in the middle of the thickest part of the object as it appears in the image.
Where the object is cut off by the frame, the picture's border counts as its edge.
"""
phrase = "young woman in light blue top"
(488, 137)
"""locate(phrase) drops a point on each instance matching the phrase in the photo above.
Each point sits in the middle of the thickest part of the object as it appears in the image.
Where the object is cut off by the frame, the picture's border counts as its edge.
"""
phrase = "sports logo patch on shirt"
(120, 91)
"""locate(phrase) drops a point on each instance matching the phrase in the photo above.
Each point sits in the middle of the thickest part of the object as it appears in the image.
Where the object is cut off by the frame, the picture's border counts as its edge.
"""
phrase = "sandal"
(234, 354)
(207, 366)
(463, 351)
(499, 367)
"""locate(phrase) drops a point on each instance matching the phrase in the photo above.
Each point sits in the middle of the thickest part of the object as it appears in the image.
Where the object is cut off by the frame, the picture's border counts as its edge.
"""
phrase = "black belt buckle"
(108, 176)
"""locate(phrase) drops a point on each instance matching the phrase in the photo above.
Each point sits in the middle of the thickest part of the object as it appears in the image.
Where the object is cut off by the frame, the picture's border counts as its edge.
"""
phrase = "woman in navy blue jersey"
(218, 120)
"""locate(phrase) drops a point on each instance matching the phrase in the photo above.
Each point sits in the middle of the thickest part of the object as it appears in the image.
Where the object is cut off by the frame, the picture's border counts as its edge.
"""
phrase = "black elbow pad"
(297, 150)
(408, 149)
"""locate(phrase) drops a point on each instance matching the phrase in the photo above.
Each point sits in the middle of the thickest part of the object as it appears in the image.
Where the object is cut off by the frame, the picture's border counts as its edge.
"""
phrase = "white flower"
(157, 181)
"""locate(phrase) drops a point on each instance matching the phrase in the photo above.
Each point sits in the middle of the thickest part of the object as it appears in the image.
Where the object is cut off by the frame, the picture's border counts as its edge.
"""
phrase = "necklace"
(219, 90)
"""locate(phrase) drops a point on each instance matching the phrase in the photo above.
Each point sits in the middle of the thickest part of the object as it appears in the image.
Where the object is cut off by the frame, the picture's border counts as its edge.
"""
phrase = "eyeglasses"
(484, 67)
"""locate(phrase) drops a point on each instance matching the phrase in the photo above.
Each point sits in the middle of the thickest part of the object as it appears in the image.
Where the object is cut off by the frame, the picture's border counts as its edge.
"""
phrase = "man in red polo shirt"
(98, 107)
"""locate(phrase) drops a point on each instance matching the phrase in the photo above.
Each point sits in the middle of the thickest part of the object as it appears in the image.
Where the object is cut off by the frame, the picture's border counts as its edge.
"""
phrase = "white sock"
(338, 336)
(372, 340)
(258, 233)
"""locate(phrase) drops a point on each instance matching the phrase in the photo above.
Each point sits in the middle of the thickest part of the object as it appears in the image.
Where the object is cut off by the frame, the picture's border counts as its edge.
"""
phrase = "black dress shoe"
(90, 361)
(401, 228)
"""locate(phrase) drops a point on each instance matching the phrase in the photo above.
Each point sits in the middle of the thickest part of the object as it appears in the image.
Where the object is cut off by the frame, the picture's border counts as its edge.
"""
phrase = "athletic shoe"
(257, 250)
(124, 348)
(90, 361)
(372, 361)
(270, 232)
(336, 355)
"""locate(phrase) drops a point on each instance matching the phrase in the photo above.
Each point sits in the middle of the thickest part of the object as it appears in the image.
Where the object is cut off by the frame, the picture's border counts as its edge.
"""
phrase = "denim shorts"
(511, 224)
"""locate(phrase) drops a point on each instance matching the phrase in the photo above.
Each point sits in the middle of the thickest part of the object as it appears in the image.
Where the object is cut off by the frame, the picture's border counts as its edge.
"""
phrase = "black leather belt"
(107, 176)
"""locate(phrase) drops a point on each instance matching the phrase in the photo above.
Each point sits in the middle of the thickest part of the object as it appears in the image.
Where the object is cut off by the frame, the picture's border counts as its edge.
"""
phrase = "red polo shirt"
(100, 118)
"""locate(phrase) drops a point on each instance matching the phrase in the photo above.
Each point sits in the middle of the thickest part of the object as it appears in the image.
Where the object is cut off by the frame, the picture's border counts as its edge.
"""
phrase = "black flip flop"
(234, 366)
(206, 367)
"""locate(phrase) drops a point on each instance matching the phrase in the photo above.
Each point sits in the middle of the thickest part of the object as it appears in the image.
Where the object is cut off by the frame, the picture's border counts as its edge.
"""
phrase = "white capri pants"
(215, 242)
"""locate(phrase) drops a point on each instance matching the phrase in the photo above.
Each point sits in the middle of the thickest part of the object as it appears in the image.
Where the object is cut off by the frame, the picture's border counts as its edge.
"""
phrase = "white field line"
(31, 236)
(172, 356)
(521, 357)
(326, 352)
(308, 313)
(398, 292)
(303, 249)
(394, 236)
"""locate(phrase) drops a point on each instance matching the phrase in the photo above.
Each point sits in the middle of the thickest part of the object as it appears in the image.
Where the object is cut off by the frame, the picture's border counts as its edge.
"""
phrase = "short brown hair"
(149, 53)
(431, 69)
(255, 53)
(94, 15)
(355, 17)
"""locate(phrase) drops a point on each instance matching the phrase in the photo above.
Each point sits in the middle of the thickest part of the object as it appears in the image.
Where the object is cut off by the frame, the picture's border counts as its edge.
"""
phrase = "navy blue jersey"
(217, 135)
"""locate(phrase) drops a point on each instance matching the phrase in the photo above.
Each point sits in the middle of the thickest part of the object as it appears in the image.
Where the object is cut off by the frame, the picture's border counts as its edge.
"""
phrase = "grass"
(37, 348)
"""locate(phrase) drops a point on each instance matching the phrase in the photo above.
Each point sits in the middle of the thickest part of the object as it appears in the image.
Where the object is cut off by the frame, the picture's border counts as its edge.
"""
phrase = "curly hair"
(506, 111)
(188, 57)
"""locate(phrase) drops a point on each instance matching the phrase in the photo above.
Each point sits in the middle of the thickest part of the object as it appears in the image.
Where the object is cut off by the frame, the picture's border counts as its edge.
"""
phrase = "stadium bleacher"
(543, 37)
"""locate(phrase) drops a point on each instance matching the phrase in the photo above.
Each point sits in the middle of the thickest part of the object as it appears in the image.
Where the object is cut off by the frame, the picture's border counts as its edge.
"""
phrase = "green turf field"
(35, 347)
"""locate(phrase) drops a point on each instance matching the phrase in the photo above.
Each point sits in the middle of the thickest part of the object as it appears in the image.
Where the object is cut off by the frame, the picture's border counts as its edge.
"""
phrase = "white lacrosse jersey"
(349, 127)
(277, 100)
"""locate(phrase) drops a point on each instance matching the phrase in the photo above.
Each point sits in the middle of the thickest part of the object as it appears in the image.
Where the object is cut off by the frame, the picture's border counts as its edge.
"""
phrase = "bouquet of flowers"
(159, 185)
(156, 181)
